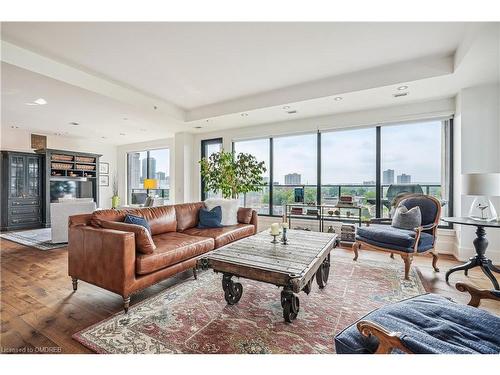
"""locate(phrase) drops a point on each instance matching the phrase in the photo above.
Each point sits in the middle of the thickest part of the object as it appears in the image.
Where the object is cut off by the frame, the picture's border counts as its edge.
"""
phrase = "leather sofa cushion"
(143, 241)
(244, 215)
(161, 219)
(223, 236)
(187, 215)
(109, 215)
(172, 248)
(429, 324)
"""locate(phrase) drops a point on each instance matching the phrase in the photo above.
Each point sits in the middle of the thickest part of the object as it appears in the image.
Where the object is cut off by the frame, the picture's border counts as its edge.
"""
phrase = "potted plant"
(115, 199)
(232, 175)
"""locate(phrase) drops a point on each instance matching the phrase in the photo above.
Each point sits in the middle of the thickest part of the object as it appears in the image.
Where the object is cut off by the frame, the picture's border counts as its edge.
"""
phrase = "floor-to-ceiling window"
(149, 164)
(372, 164)
(209, 147)
(294, 166)
(259, 148)
(348, 167)
(414, 158)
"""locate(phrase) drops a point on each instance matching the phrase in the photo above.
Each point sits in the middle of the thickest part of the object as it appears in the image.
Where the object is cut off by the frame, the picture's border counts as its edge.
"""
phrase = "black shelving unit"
(68, 165)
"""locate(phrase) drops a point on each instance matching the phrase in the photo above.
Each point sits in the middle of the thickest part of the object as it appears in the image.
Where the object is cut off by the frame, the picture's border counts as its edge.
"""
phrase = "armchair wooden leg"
(74, 280)
(195, 273)
(407, 259)
(126, 303)
(392, 255)
(434, 261)
(355, 247)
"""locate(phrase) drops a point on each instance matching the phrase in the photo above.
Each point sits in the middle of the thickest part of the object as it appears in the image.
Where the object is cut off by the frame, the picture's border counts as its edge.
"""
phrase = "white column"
(183, 156)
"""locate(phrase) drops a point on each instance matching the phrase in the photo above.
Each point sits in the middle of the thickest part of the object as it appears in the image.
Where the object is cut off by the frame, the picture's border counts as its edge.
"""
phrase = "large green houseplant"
(231, 174)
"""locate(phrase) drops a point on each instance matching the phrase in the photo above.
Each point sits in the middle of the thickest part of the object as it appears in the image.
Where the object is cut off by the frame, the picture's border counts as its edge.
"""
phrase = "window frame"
(129, 188)
(203, 152)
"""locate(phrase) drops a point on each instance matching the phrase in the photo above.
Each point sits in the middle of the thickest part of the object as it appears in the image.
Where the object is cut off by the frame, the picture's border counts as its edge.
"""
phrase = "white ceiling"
(100, 118)
(217, 71)
(195, 64)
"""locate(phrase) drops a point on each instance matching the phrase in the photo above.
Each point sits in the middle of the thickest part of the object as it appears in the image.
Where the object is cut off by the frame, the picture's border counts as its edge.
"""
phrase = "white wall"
(121, 157)
(20, 140)
(477, 140)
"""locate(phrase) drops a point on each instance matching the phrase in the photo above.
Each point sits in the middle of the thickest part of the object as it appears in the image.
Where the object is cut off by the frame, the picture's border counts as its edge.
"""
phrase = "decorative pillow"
(229, 209)
(137, 220)
(143, 241)
(244, 215)
(210, 218)
(407, 219)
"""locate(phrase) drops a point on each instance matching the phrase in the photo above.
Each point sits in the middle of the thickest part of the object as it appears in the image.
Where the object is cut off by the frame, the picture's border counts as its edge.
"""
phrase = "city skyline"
(159, 159)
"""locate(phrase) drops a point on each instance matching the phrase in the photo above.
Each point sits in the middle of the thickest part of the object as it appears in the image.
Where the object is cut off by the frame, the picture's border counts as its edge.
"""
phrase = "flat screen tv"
(70, 189)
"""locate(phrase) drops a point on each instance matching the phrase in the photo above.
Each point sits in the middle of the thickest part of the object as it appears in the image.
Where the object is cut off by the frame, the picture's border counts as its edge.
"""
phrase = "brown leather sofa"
(110, 259)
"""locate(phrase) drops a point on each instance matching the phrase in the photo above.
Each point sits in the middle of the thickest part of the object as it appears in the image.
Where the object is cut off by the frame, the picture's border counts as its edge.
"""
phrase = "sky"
(348, 156)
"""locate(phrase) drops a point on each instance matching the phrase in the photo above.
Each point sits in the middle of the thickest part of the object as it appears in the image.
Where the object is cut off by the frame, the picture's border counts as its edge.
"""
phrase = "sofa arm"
(102, 257)
(255, 220)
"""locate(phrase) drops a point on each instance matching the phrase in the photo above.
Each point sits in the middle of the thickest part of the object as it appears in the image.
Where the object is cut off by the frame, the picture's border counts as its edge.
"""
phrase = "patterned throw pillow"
(137, 220)
(210, 218)
(407, 219)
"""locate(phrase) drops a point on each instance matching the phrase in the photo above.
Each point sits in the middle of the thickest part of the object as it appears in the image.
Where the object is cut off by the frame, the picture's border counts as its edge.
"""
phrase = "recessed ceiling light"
(14, 127)
(244, 114)
(338, 98)
(286, 107)
(103, 137)
(40, 101)
(197, 127)
(207, 120)
(123, 134)
(401, 88)
(125, 119)
(292, 112)
(74, 123)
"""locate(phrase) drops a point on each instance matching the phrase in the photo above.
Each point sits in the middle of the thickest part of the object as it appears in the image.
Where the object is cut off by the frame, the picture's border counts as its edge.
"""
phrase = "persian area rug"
(38, 238)
(193, 317)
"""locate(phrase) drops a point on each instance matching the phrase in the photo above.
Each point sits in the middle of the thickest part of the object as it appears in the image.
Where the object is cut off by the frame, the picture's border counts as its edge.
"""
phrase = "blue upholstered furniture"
(402, 241)
(429, 323)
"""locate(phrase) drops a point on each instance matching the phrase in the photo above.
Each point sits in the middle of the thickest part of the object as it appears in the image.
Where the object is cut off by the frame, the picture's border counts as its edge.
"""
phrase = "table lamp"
(482, 186)
(150, 183)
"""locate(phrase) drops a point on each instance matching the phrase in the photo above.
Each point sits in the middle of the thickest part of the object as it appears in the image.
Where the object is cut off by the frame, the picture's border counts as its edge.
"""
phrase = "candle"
(284, 225)
(275, 229)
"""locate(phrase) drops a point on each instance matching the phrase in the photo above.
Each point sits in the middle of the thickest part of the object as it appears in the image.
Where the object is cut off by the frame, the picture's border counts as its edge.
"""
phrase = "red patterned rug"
(193, 317)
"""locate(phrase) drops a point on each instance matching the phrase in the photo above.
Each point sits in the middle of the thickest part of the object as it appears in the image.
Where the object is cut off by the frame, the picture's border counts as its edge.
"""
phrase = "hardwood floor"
(40, 312)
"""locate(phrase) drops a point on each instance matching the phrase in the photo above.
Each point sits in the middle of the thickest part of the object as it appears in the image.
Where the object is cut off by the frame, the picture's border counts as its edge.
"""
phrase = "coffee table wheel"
(291, 308)
(323, 273)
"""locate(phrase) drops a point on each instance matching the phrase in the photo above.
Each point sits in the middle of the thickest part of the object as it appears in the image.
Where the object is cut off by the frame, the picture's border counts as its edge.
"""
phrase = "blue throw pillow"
(210, 218)
(137, 220)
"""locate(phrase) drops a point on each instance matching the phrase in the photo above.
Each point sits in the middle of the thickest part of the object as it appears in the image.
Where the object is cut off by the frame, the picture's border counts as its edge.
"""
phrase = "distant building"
(135, 170)
(292, 179)
(152, 168)
(388, 177)
(368, 182)
(404, 179)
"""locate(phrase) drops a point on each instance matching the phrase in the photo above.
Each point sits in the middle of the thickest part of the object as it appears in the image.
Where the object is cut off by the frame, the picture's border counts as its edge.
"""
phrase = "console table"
(324, 213)
(480, 244)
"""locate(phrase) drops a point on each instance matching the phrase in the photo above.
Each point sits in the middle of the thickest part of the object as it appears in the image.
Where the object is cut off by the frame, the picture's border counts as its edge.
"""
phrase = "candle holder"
(274, 238)
(284, 238)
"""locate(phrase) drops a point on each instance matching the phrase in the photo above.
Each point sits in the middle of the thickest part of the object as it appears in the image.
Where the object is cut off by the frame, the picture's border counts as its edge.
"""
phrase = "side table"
(480, 244)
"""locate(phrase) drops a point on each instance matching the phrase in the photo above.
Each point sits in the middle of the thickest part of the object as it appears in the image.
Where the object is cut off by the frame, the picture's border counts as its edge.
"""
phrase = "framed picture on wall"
(103, 180)
(104, 168)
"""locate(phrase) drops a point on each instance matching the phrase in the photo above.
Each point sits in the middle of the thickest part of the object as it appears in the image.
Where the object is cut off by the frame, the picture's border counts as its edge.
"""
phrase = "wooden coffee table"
(292, 266)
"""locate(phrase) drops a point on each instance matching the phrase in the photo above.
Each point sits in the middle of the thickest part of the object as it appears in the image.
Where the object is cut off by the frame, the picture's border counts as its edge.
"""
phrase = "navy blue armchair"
(406, 243)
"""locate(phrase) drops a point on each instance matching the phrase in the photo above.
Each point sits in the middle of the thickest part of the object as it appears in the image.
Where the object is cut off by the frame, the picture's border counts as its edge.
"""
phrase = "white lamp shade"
(487, 184)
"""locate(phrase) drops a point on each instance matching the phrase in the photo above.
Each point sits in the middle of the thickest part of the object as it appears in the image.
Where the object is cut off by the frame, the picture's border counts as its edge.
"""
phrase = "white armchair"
(61, 211)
